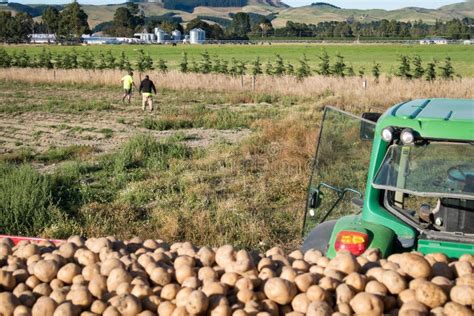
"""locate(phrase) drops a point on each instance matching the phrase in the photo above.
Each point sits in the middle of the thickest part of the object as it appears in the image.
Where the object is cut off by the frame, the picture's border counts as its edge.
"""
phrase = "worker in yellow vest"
(127, 82)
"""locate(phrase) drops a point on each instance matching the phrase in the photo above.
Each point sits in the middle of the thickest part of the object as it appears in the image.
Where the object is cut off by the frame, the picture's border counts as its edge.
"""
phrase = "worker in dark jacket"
(147, 89)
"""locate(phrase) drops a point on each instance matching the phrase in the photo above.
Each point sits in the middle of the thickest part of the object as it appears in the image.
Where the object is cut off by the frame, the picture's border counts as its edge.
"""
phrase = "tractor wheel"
(319, 237)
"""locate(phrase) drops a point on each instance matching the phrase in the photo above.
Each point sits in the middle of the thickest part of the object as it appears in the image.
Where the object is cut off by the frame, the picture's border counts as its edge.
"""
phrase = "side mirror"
(314, 200)
(367, 130)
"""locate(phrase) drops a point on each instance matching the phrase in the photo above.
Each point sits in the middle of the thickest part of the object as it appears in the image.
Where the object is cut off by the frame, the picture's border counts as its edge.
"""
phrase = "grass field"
(357, 55)
(210, 166)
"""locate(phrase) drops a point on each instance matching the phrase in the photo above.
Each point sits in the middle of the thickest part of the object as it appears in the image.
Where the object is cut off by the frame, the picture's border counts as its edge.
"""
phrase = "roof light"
(407, 136)
(387, 134)
(354, 242)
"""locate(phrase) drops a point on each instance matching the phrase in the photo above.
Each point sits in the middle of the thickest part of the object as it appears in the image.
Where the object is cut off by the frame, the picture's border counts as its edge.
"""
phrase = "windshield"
(432, 170)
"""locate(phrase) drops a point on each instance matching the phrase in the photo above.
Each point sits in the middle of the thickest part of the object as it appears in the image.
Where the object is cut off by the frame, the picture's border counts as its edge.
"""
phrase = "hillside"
(321, 12)
(311, 14)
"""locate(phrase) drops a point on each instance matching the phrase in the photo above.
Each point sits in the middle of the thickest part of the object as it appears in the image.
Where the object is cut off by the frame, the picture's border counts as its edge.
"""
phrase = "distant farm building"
(145, 37)
(3, 3)
(197, 36)
(434, 40)
(176, 36)
(42, 38)
(467, 42)
(99, 40)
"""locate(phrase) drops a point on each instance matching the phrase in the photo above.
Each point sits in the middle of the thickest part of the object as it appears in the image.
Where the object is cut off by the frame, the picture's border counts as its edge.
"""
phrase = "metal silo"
(176, 36)
(197, 36)
(160, 35)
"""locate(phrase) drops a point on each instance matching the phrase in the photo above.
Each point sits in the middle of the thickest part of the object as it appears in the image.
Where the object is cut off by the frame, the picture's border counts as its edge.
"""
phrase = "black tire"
(319, 237)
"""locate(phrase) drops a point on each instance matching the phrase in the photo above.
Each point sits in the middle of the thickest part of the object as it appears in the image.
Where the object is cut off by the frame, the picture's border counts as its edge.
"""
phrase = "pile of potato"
(106, 276)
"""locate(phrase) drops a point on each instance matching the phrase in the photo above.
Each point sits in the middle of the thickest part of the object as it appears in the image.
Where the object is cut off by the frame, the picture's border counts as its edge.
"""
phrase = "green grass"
(358, 55)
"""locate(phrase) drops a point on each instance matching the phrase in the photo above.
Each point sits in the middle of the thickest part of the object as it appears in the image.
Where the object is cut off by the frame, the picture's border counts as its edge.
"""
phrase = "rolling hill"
(280, 12)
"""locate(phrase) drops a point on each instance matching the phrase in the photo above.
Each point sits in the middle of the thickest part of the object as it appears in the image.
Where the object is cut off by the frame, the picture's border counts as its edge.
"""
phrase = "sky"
(349, 4)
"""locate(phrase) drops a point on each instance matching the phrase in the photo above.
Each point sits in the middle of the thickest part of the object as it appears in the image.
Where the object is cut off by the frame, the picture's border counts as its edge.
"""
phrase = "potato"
(366, 303)
(430, 294)
(111, 311)
(462, 294)
(8, 302)
(80, 297)
(344, 294)
(452, 308)
(44, 306)
(21, 310)
(46, 270)
(182, 296)
(68, 272)
(197, 302)
(394, 282)
(413, 308)
(183, 272)
(344, 262)
(356, 281)
(59, 295)
(98, 286)
(151, 302)
(7, 280)
(375, 287)
(300, 303)
(316, 293)
(66, 309)
(414, 265)
(88, 272)
(214, 288)
(166, 309)
(116, 277)
(98, 307)
(126, 304)
(279, 290)
(319, 309)
(170, 291)
(304, 281)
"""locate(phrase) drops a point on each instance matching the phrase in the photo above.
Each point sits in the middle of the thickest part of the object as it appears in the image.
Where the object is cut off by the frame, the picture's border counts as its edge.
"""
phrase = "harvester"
(398, 181)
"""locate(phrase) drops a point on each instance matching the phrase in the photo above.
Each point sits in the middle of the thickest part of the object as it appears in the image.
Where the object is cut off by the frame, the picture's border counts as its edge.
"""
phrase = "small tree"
(123, 63)
(350, 71)
(44, 59)
(194, 66)
(241, 68)
(183, 65)
(430, 71)
(361, 71)
(339, 66)
(269, 68)
(5, 59)
(324, 66)
(205, 66)
(376, 71)
(404, 68)
(257, 67)
(23, 60)
(102, 62)
(144, 62)
(279, 69)
(303, 70)
(447, 70)
(87, 60)
(418, 70)
(290, 70)
(233, 71)
(223, 68)
(162, 65)
(109, 60)
(216, 64)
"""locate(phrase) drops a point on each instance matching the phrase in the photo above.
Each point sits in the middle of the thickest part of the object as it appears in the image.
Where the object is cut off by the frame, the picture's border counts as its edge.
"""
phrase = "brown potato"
(280, 290)
(462, 294)
(430, 294)
(365, 303)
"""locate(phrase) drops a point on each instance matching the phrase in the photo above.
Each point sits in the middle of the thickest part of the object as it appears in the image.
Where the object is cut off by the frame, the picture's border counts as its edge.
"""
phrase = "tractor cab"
(399, 181)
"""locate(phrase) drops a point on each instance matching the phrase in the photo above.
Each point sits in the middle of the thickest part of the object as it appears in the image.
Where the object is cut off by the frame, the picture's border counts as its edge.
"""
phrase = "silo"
(176, 36)
(160, 35)
(197, 36)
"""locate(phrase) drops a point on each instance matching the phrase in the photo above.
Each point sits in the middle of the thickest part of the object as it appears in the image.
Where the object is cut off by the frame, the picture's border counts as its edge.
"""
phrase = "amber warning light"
(354, 242)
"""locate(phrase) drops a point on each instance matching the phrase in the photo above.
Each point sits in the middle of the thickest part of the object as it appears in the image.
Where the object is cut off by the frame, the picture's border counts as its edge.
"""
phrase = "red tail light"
(354, 242)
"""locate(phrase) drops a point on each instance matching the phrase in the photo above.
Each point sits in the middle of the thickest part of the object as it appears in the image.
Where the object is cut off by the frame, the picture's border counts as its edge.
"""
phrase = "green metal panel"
(450, 119)
(380, 236)
(451, 249)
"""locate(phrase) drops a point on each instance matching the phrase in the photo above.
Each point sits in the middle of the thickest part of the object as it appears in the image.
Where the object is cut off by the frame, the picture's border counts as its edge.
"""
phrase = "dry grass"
(346, 93)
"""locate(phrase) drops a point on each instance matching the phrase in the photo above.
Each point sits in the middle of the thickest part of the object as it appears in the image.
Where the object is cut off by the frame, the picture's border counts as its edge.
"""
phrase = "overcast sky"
(357, 4)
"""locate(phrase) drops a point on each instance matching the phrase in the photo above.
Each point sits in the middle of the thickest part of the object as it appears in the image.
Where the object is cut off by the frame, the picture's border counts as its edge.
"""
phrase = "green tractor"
(415, 164)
